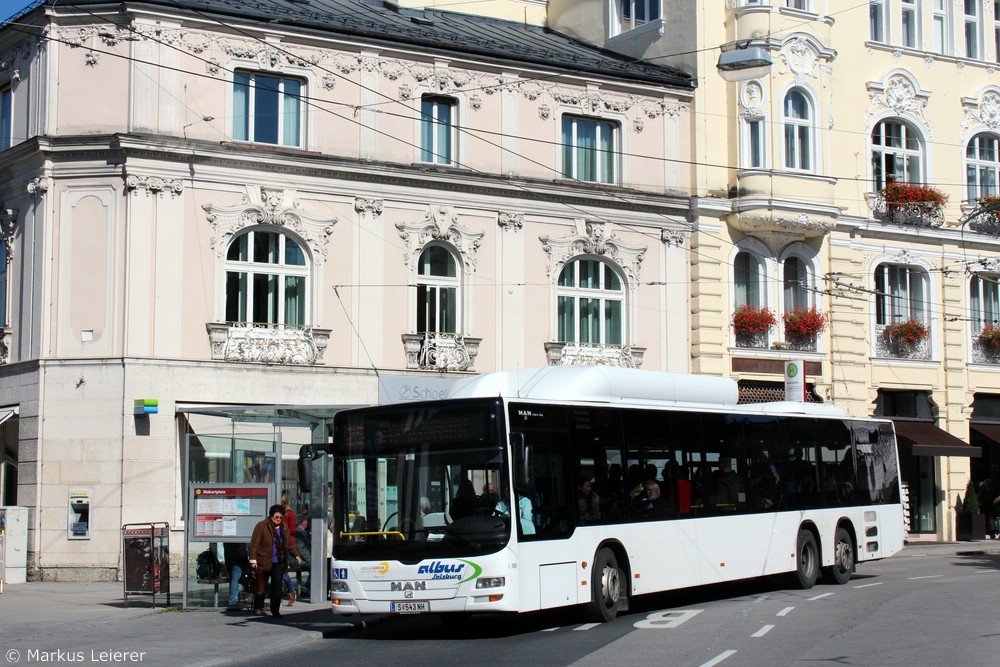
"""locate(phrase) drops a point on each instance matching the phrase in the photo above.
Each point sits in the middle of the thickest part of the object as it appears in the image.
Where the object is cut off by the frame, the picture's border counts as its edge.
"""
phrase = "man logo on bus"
(408, 586)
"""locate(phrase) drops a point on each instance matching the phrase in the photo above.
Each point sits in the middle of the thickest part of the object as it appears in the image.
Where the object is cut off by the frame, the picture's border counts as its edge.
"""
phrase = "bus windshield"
(420, 482)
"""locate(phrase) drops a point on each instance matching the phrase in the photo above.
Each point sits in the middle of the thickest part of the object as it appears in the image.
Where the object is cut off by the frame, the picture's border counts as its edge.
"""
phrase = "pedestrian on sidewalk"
(270, 545)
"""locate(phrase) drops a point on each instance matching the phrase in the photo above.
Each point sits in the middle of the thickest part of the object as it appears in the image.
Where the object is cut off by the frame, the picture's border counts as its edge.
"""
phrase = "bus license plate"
(408, 607)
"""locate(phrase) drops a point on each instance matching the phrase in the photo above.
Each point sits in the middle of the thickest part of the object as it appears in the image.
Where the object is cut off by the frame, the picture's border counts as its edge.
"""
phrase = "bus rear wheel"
(807, 560)
(843, 559)
(605, 587)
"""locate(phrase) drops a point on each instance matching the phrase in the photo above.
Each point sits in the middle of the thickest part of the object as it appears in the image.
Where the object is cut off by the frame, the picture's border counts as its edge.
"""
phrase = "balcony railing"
(910, 214)
(441, 351)
(587, 354)
(753, 341)
(983, 353)
(891, 348)
(267, 343)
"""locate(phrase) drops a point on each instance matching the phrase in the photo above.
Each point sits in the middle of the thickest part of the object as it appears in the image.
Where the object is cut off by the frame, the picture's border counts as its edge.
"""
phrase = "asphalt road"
(913, 609)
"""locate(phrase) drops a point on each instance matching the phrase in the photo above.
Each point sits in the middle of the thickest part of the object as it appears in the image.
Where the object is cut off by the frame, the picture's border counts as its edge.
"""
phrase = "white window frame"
(982, 165)
(984, 301)
(571, 151)
(602, 294)
(800, 295)
(901, 293)
(941, 26)
(3, 281)
(802, 131)
(6, 117)
(279, 270)
(910, 16)
(435, 287)
(972, 29)
(627, 13)
(899, 154)
(438, 138)
(878, 27)
(754, 144)
(245, 120)
(801, 5)
(996, 31)
(761, 286)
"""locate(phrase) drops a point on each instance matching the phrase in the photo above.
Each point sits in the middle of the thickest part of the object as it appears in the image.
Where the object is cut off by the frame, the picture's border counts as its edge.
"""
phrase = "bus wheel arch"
(845, 555)
(807, 557)
(608, 582)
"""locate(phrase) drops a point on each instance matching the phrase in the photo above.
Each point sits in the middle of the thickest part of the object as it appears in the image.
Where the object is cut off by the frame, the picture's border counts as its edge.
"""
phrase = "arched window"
(982, 162)
(747, 280)
(591, 303)
(797, 121)
(266, 279)
(437, 291)
(984, 301)
(896, 154)
(900, 294)
(796, 284)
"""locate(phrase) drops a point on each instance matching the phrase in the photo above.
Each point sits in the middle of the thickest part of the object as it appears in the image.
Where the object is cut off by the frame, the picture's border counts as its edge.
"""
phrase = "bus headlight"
(340, 587)
(490, 582)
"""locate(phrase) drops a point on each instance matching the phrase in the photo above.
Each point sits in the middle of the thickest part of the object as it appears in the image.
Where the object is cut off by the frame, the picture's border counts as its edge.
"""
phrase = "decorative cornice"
(510, 222)
(154, 185)
(373, 207)
(37, 186)
(672, 238)
(263, 206)
(898, 93)
(440, 224)
(594, 238)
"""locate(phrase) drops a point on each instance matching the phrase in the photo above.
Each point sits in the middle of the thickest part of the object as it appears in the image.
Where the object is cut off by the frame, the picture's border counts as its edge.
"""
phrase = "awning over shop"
(926, 439)
(988, 431)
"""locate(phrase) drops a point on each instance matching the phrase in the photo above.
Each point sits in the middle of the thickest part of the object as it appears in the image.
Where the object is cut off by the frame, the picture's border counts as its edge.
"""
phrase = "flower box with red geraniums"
(803, 325)
(907, 334)
(913, 193)
(750, 320)
(989, 338)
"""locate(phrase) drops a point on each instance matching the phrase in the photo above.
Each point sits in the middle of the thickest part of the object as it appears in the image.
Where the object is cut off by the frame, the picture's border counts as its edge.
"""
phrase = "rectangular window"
(267, 109)
(941, 26)
(972, 48)
(797, 4)
(876, 20)
(899, 294)
(3, 283)
(437, 130)
(753, 157)
(589, 149)
(911, 23)
(437, 310)
(5, 119)
(635, 13)
(996, 30)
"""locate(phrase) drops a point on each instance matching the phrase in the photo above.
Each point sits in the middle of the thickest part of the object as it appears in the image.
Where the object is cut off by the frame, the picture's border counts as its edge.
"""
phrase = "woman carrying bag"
(270, 545)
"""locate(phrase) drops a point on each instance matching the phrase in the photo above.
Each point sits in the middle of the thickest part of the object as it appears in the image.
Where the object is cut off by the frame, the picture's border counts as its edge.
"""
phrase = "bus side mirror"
(523, 464)
(306, 455)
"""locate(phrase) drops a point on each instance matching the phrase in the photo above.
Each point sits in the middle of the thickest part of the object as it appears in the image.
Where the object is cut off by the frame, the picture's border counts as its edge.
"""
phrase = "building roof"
(435, 30)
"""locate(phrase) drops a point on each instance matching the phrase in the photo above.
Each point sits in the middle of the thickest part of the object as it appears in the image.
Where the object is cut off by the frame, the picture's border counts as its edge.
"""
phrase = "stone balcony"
(267, 343)
(441, 351)
(585, 354)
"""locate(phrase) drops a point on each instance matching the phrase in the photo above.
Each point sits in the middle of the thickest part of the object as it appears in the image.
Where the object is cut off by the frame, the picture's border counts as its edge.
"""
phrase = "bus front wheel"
(843, 559)
(807, 560)
(605, 587)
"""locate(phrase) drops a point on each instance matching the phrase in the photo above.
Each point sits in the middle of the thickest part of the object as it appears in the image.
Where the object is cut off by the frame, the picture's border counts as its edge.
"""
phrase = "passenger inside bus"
(465, 501)
(650, 502)
(588, 503)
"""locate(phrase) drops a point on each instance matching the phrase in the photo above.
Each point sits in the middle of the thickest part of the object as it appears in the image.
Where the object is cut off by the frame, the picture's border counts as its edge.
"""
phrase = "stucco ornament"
(900, 95)
(798, 57)
(263, 206)
(510, 222)
(594, 238)
(752, 98)
(984, 110)
(440, 224)
(8, 223)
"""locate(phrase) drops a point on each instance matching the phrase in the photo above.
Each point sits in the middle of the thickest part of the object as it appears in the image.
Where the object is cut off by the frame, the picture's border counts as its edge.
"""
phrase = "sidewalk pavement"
(38, 619)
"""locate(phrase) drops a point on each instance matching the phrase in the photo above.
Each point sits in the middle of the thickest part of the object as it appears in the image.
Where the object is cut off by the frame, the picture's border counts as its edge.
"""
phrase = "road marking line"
(785, 611)
(719, 658)
(550, 629)
(586, 626)
(929, 576)
(820, 596)
(878, 583)
(763, 631)
(985, 572)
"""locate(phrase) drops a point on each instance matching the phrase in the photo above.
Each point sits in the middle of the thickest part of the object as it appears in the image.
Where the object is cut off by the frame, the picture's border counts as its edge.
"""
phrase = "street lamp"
(740, 63)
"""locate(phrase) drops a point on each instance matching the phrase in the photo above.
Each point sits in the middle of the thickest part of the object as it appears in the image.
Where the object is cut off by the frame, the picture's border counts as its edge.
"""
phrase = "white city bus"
(744, 491)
